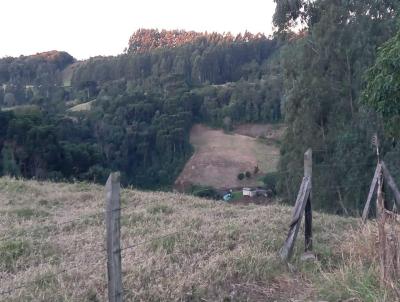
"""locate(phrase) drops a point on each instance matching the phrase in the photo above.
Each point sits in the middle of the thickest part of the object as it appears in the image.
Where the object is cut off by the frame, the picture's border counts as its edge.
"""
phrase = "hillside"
(219, 157)
(147, 100)
(184, 249)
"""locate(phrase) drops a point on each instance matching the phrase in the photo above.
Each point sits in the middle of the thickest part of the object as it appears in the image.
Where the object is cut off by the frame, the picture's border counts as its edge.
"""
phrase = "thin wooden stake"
(308, 208)
(381, 213)
(371, 193)
(391, 183)
(113, 215)
(304, 192)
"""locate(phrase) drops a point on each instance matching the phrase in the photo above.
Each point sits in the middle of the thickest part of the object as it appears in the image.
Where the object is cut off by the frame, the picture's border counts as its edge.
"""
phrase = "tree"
(240, 176)
(322, 68)
(9, 99)
(382, 92)
(10, 167)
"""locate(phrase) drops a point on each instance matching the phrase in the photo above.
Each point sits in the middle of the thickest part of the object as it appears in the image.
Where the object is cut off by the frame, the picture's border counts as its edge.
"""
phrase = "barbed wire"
(59, 272)
(58, 225)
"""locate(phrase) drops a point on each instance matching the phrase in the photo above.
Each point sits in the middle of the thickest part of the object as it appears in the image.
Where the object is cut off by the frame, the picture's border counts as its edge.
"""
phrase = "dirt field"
(220, 157)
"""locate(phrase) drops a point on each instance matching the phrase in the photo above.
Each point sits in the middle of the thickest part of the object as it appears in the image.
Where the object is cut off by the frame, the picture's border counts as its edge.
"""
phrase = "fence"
(387, 220)
(388, 240)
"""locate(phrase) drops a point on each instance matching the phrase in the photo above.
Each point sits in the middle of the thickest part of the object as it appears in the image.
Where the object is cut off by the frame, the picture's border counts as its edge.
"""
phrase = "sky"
(86, 28)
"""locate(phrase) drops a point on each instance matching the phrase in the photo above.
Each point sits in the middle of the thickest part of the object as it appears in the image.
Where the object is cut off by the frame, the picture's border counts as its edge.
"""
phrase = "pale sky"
(86, 28)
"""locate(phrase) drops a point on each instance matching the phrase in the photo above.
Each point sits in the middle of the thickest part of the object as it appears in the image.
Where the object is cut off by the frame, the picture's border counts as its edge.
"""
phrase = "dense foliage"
(36, 145)
(383, 88)
(34, 79)
(324, 73)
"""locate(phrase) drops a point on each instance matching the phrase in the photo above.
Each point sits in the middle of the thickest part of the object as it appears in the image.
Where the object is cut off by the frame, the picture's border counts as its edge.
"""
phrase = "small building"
(249, 192)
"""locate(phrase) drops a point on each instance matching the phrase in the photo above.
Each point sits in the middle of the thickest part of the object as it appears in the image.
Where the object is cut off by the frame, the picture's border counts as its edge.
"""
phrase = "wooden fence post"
(381, 215)
(113, 215)
(391, 183)
(371, 192)
(308, 209)
(298, 210)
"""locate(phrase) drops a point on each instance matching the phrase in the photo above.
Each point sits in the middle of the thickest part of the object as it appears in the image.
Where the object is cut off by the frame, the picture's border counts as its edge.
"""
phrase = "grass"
(185, 249)
(237, 195)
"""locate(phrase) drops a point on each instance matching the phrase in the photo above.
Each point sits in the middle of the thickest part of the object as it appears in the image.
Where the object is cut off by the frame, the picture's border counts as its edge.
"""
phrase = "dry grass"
(208, 251)
(220, 157)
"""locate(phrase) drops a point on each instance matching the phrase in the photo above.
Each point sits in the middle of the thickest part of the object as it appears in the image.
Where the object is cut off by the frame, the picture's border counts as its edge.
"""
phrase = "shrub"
(270, 181)
(248, 174)
(240, 176)
(205, 192)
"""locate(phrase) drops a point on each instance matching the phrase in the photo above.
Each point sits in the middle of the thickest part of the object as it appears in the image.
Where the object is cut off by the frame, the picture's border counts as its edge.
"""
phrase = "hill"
(182, 249)
(147, 100)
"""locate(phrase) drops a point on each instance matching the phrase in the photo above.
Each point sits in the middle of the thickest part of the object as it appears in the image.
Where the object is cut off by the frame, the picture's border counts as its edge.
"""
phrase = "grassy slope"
(221, 253)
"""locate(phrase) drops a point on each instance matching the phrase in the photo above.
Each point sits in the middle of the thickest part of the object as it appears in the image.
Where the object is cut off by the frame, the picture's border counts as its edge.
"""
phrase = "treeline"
(40, 69)
(145, 40)
(324, 75)
(203, 61)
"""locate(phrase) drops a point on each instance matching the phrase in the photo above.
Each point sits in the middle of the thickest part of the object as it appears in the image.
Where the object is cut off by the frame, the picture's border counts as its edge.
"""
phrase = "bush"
(248, 174)
(270, 181)
(205, 192)
(240, 176)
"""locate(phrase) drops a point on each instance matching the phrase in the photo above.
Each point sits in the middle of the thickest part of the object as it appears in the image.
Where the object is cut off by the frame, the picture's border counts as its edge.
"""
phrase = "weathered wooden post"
(381, 215)
(302, 205)
(371, 192)
(113, 215)
(391, 184)
(308, 209)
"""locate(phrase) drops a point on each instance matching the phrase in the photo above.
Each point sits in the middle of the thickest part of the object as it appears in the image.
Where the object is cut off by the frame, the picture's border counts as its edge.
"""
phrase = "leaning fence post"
(381, 215)
(308, 209)
(113, 215)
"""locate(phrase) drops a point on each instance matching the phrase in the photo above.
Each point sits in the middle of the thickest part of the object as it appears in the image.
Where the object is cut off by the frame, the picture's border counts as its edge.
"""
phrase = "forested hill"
(143, 104)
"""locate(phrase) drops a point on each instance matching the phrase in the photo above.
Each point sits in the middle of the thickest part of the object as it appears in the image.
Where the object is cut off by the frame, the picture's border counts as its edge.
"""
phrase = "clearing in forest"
(219, 157)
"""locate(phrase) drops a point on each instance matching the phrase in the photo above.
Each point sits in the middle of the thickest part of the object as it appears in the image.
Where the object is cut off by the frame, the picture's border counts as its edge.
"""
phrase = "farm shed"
(249, 192)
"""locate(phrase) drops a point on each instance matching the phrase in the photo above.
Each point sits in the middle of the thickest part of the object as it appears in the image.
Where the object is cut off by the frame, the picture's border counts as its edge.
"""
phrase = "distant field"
(20, 108)
(52, 239)
(82, 107)
(219, 157)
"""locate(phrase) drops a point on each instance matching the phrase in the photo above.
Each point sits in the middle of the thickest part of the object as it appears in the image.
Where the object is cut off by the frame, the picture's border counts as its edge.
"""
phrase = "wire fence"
(123, 250)
(56, 227)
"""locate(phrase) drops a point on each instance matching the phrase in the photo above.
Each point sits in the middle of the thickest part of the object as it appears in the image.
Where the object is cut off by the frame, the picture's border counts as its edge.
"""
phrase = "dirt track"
(220, 157)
